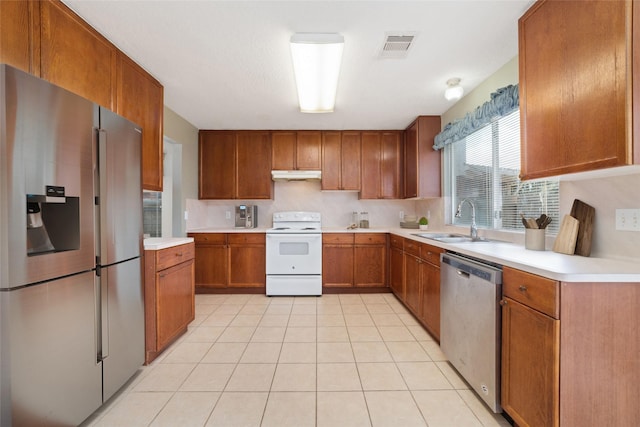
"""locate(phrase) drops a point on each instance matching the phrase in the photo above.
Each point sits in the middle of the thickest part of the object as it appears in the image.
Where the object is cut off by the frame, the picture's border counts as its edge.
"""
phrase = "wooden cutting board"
(584, 214)
(566, 239)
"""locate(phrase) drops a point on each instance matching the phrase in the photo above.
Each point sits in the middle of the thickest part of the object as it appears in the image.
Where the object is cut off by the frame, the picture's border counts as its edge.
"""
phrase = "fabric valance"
(503, 101)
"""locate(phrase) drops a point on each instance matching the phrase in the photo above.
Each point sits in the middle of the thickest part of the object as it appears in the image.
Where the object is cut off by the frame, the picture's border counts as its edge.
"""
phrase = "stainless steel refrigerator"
(71, 296)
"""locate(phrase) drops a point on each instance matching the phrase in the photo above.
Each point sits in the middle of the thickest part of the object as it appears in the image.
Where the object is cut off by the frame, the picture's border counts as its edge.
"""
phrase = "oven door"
(298, 254)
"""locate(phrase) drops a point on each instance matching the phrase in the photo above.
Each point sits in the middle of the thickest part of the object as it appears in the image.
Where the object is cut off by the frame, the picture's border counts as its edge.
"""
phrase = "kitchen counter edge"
(157, 243)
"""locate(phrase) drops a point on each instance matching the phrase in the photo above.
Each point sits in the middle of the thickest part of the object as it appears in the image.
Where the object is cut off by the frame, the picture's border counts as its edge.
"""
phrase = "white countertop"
(567, 268)
(157, 243)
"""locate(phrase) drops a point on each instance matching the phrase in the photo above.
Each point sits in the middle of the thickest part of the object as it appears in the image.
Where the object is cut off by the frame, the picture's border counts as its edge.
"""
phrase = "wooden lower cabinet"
(169, 296)
(370, 260)
(530, 348)
(569, 351)
(211, 260)
(415, 280)
(337, 260)
(354, 260)
(396, 270)
(247, 260)
(229, 260)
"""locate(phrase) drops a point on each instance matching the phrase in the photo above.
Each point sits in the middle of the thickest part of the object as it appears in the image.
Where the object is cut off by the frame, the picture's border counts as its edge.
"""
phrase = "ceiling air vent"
(396, 45)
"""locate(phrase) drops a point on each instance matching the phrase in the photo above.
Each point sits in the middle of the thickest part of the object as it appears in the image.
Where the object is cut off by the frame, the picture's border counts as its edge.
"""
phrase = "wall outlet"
(227, 215)
(628, 219)
(401, 215)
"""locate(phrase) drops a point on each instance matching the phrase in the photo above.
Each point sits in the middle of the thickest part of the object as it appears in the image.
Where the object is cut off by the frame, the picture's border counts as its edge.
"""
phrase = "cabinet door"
(411, 161)
(574, 87)
(350, 158)
(331, 161)
(140, 99)
(370, 265)
(396, 272)
(391, 165)
(337, 265)
(174, 301)
(75, 56)
(421, 161)
(431, 297)
(283, 148)
(530, 365)
(216, 165)
(247, 260)
(20, 36)
(412, 284)
(370, 165)
(308, 150)
(211, 266)
(253, 169)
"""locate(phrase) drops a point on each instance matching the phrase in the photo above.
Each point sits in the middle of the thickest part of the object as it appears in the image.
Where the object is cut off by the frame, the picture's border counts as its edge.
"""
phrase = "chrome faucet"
(474, 227)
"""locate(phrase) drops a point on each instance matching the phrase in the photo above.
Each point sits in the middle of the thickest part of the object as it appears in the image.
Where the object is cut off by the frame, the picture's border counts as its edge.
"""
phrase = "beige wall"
(184, 133)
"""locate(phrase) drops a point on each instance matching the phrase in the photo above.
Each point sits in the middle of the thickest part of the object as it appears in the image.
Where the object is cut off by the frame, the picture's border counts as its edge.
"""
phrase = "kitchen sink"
(450, 237)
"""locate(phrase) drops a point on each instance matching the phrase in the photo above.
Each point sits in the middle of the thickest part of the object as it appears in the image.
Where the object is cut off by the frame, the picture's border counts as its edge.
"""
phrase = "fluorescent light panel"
(316, 64)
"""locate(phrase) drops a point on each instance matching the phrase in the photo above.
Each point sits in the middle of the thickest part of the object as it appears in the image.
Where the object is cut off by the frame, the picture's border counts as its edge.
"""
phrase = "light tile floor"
(335, 360)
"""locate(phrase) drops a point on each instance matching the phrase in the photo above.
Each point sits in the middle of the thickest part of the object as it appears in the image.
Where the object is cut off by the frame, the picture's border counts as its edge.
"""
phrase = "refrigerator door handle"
(104, 315)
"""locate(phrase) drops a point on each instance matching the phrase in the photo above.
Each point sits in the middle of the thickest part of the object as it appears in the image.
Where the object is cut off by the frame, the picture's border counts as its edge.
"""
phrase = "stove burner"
(282, 228)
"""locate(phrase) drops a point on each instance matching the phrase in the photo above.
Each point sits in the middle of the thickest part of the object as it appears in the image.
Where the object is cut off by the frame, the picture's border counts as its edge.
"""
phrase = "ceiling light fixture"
(454, 90)
(316, 64)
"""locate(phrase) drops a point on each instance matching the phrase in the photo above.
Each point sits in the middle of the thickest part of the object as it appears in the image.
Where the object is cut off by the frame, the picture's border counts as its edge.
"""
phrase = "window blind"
(484, 168)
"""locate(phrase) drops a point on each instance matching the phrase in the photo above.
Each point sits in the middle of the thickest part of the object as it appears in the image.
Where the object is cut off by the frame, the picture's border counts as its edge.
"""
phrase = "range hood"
(279, 175)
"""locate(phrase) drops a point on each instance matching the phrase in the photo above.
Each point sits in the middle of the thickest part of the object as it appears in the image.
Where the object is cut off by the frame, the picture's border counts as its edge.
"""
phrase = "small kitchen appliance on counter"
(294, 254)
(246, 216)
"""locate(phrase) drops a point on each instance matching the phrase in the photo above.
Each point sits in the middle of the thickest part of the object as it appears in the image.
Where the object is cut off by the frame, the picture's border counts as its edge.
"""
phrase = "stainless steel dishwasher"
(470, 291)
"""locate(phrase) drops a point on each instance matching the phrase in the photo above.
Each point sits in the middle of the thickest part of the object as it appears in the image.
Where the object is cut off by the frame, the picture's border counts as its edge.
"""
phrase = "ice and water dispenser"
(53, 222)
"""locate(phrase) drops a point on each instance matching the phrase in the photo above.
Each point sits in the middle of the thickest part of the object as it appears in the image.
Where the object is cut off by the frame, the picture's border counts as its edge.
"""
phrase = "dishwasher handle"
(467, 267)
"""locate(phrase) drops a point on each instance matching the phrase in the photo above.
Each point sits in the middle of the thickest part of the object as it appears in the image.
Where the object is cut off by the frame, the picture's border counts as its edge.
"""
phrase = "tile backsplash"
(604, 194)
(336, 207)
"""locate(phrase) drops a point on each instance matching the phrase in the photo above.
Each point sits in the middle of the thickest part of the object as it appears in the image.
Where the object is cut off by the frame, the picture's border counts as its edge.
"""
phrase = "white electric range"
(294, 254)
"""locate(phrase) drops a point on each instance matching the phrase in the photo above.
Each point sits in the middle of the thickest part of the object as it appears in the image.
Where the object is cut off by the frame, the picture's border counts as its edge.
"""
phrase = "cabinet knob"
(179, 254)
(522, 288)
(503, 302)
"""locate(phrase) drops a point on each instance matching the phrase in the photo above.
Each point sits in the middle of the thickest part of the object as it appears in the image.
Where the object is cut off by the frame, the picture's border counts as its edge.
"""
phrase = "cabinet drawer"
(241, 238)
(174, 255)
(370, 238)
(412, 247)
(431, 254)
(537, 292)
(209, 238)
(396, 241)
(343, 238)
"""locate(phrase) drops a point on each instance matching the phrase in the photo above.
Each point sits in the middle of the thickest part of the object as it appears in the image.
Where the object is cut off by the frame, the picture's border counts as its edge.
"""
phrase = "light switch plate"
(628, 219)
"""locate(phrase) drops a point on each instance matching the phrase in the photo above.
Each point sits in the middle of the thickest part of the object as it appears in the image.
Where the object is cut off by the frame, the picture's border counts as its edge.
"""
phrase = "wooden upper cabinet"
(308, 149)
(234, 165)
(351, 155)
(341, 160)
(293, 150)
(421, 161)
(216, 165)
(20, 35)
(75, 56)
(578, 82)
(391, 165)
(253, 167)
(283, 150)
(371, 157)
(140, 99)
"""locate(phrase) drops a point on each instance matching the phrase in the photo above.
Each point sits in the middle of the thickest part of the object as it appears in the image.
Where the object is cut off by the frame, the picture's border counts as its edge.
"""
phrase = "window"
(484, 167)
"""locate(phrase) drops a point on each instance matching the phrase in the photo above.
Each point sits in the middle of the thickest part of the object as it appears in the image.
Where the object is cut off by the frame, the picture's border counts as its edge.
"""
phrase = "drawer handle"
(522, 288)
(179, 254)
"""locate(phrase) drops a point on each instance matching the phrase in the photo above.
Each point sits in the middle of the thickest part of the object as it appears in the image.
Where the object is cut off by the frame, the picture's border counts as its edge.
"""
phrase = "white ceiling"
(227, 64)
